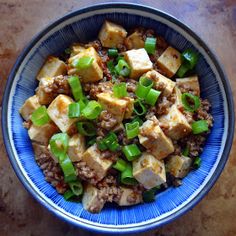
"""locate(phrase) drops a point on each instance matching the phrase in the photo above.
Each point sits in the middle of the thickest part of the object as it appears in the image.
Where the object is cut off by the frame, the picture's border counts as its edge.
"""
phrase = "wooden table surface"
(213, 20)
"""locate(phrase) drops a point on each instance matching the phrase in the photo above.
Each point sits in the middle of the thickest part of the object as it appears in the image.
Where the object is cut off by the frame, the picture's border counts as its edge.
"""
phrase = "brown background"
(213, 20)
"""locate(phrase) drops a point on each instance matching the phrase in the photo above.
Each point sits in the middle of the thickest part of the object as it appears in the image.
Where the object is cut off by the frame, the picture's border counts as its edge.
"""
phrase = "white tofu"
(129, 107)
(191, 83)
(52, 67)
(41, 149)
(149, 171)
(44, 97)
(178, 166)
(91, 74)
(30, 105)
(154, 140)
(178, 95)
(42, 134)
(76, 48)
(91, 201)
(134, 41)
(178, 124)
(111, 35)
(129, 197)
(161, 79)
(76, 147)
(138, 61)
(93, 158)
(118, 107)
(58, 112)
(169, 61)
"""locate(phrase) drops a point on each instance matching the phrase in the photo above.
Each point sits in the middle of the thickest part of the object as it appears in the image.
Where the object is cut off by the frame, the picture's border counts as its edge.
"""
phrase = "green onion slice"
(91, 141)
(138, 119)
(122, 68)
(150, 45)
(149, 195)
(197, 162)
(112, 52)
(152, 97)
(74, 110)
(83, 62)
(109, 142)
(76, 187)
(86, 128)
(68, 194)
(188, 99)
(40, 116)
(92, 110)
(127, 176)
(120, 165)
(182, 70)
(120, 90)
(143, 87)
(131, 152)
(59, 144)
(76, 87)
(132, 129)
(190, 57)
(199, 126)
(139, 108)
(186, 151)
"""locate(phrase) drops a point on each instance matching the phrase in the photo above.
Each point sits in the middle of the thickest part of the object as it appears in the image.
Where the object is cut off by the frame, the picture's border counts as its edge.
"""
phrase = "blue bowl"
(81, 26)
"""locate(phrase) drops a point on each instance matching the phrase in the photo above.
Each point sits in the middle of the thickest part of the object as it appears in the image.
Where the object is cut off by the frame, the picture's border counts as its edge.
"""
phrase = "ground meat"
(86, 173)
(121, 47)
(150, 113)
(113, 156)
(131, 85)
(106, 120)
(27, 124)
(186, 88)
(60, 85)
(96, 44)
(163, 106)
(189, 116)
(52, 172)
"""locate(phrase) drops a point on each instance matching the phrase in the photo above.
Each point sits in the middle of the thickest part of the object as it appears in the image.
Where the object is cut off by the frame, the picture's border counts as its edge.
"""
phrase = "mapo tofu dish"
(118, 119)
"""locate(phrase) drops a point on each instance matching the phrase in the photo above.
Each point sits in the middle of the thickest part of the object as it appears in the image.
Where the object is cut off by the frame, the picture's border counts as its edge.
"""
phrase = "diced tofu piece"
(190, 83)
(76, 147)
(58, 112)
(129, 197)
(178, 166)
(178, 124)
(134, 41)
(93, 158)
(30, 105)
(139, 62)
(41, 149)
(149, 171)
(178, 95)
(91, 201)
(111, 35)
(45, 97)
(169, 61)
(52, 67)
(154, 140)
(129, 107)
(42, 134)
(159, 79)
(92, 73)
(76, 49)
(116, 106)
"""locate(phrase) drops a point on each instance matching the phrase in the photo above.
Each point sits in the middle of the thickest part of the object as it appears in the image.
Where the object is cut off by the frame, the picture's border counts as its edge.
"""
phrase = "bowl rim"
(213, 58)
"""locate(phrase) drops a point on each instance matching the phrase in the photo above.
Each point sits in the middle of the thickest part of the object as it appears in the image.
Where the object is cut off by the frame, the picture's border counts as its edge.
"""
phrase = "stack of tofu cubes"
(149, 169)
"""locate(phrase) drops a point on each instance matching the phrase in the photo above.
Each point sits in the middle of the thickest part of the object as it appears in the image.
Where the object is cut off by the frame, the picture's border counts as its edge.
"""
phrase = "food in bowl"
(117, 119)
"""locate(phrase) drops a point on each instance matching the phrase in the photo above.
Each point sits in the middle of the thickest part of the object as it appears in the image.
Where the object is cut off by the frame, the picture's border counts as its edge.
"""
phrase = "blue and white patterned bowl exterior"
(83, 26)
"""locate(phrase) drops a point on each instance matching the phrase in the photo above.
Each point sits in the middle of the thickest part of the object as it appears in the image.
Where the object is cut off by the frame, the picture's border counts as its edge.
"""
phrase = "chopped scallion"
(112, 52)
(83, 62)
(150, 45)
(190, 102)
(122, 68)
(76, 87)
(76, 187)
(86, 128)
(152, 97)
(59, 144)
(186, 151)
(131, 152)
(132, 129)
(40, 116)
(74, 110)
(143, 87)
(120, 165)
(197, 162)
(68, 194)
(199, 126)
(127, 176)
(92, 110)
(139, 108)
(120, 90)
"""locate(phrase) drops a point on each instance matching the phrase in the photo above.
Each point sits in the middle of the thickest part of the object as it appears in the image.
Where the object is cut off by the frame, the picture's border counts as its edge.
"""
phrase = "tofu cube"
(138, 61)
(154, 140)
(134, 41)
(91, 201)
(30, 105)
(129, 107)
(178, 124)
(41, 149)
(92, 73)
(58, 112)
(76, 49)
(52, 67)
(42, 134)
(116, 106)
(93, 158)
(178, 166)
(111, 35)
(76, 147)
(189, 83)
(178, 95)
(45, 97)
(160, 79)
(129, 197)
(169, 61)
(149, 171)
